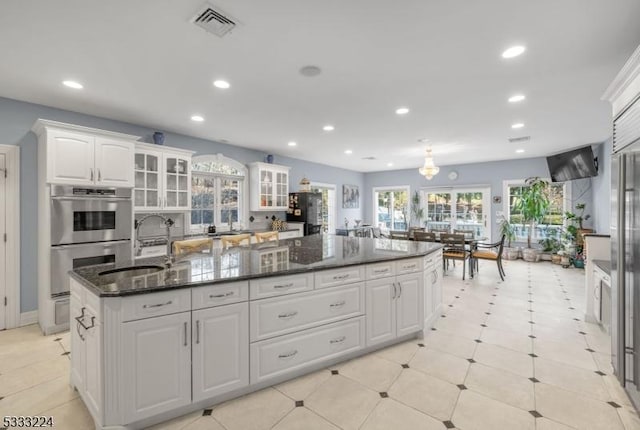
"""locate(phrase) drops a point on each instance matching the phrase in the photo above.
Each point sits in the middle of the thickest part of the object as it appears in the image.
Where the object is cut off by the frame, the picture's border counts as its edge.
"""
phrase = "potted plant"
(533, 205)
(508, 230)
(575, 220)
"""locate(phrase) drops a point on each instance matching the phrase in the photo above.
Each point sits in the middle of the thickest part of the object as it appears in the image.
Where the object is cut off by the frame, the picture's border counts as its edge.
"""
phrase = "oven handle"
(78, 245)
(93, 198)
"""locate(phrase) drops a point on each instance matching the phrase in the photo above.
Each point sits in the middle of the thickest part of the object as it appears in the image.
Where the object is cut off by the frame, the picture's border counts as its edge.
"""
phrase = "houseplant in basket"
(575, 220)
(533, 204)
(508, 230)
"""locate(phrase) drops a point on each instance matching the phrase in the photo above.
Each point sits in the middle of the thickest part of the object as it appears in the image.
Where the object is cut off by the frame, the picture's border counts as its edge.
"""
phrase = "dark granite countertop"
(283, 257)
(605, 265)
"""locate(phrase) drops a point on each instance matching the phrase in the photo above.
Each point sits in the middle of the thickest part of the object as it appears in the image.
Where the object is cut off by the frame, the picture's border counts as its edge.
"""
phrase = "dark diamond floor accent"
(600, 373)
(405, 366)
(487, 313)
(576, 319)
(491, 303)
(536, 414)
(461, 386)
(443, 316)
(590, 350)
(531, 322)
(534, 380)
(581, 332)
(533, 355)
(448, 424)
(66, 353)
(614, 404)
(478, 340)
(433, 329)
(450, 306)
(57, 339)
(207, 412)
(335, 372)
(457, 297)
(384, 394)
(572, 308)
(471, 360)
(299, 403)
(530, 310)
(532, 336)
(483, 325)
(421, 345)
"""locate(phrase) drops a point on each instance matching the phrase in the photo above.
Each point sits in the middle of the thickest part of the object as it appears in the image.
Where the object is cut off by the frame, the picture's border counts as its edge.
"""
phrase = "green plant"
(575, 220)
(508, 230)
(533, 203)
(417, 211)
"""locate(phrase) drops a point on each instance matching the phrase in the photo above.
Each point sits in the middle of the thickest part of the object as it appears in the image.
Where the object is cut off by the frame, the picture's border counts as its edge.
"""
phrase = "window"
(217, 191)
(391, 208)
(554, 220)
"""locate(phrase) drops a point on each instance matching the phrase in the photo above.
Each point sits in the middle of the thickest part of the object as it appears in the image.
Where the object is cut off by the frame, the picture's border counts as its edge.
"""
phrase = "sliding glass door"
(457, 209)
(391, 208)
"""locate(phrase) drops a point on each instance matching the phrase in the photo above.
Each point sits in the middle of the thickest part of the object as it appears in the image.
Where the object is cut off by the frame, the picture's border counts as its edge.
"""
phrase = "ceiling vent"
(519, 139)
(368, 158)
(215, 21)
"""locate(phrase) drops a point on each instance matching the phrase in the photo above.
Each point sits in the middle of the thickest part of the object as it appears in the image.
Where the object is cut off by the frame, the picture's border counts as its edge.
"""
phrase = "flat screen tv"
(575, 164)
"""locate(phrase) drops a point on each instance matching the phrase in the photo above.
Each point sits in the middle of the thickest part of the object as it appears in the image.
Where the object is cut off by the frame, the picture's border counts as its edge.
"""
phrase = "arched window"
(218, 192)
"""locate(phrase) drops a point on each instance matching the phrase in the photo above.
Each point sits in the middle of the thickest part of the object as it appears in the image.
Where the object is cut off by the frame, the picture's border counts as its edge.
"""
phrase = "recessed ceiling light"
(197, 118)
(389, 164)
(517, 125)
(73, 84)
(402, 111)
(221, 84)
(310, 71)
(516, 98)
(519, 151)
(328, 127)
(514, 51)
(292, 143)
(348, 151)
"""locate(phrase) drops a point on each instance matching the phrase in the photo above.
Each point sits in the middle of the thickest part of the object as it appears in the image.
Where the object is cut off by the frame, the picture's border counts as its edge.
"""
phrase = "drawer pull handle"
(340, 277)
(381, 270)
(409, 266)
(338, 340)
(338, 304)
(429, 261)
(157, 305)
(289, 285)
(288, 315)
(288, 354)
(219, 296)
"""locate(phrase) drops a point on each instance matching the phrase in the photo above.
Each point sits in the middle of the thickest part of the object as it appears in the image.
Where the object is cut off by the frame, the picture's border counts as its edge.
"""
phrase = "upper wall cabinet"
(269, 187)
(162, 178)
(75, 155)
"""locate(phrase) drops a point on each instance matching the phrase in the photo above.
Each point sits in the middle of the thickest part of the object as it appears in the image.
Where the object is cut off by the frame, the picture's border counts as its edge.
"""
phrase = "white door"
(220, 350)
(458, 209)
(3, 244)
(381, 310)
(114, 162)
(409, 304)
(70, 158)
(156, 366)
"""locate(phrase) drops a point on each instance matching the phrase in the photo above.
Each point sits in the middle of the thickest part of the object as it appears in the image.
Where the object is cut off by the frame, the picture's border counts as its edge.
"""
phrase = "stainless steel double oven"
(88, 226)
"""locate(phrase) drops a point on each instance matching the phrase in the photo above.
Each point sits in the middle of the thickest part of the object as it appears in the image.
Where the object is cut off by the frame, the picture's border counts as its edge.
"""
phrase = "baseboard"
(28, 318)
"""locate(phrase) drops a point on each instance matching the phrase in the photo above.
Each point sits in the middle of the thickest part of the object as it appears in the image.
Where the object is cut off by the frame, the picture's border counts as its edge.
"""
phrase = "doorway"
(9, 236)
(3, 243)
(458, 208)
(329, 213)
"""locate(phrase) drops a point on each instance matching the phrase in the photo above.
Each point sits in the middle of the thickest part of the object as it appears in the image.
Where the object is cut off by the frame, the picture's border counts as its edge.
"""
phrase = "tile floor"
(504, 355)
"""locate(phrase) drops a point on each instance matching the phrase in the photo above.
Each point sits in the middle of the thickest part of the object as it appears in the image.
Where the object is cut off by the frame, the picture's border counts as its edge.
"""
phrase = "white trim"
(623, 79)
(40, 125)
(12, 184)
(485, 189)
(28, 318)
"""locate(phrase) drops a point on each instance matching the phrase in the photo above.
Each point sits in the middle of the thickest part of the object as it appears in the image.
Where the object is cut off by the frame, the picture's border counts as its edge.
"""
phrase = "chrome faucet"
(168, 222)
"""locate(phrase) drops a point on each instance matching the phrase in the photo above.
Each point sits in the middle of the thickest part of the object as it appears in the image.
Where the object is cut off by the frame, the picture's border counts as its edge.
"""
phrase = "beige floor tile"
(520, 342)
(303, 418)
(505, 359)
(629, 418)
(180, 422)
(343, 402)
(390, 414)
(256, 411)
(28, 354)
(603, 361)
(571, 378)
(574, 410)
(570, 354)
(441, 365)
(615, 390)
(508, 324)
(371, 371)
(204, 423)
(400, 353)
(555, 334)
(459, 346)
(425, 393)
(33, 374)
(599, 342)
(503, 386)
(459, 327)
(71, 415)
(35, 400)
(300, 388)
(547, 424)
(477, 412)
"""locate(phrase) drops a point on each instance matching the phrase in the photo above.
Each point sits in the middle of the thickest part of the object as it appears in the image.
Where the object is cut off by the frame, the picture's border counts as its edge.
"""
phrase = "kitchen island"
(153, 343)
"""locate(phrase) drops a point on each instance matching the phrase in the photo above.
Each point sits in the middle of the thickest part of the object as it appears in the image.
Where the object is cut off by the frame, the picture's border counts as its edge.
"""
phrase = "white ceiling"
(143, 62)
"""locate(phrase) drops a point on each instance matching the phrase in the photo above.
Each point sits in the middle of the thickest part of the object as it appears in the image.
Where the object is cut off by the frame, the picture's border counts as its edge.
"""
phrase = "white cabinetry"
(432, 287)
(269, 187)
(162, 178)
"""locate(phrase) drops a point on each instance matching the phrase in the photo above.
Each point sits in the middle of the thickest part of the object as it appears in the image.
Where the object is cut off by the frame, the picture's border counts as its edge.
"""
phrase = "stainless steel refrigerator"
(307, 208)
(625, 250)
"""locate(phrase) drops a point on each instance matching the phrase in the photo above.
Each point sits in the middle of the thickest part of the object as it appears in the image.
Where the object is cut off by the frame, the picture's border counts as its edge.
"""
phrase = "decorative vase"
(269, 159)
(158, 138)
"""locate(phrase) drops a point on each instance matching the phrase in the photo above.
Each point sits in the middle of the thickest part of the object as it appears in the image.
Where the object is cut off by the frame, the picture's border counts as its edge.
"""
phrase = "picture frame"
(350, 196)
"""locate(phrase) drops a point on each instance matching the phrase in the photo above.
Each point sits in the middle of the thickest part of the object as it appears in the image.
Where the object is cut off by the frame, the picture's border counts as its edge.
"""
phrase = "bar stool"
(235, 240)
(267, 236)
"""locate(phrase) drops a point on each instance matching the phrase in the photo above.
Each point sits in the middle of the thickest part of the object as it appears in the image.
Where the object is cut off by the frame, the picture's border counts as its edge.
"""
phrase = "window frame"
(392, 188)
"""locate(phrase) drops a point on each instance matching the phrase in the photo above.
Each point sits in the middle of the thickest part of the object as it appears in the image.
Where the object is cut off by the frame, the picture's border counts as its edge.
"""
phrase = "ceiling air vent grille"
(369, 158)
(214, 20)
(519, 139)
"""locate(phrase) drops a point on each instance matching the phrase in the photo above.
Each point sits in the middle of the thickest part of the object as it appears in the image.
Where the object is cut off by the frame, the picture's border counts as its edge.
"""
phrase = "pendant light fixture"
(429, 170)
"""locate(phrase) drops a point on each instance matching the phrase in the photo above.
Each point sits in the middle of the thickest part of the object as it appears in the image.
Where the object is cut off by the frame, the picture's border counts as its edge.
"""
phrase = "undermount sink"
(129, 272)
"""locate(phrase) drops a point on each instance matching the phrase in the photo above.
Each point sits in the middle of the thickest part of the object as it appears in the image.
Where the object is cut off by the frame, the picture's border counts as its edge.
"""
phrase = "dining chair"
(399, 234)
(235, 240)
(376, 232)
(267, 236)
(183, 247)
(424, 236)
(413, 230)
(490, 251)
(454, 249)
(468, 234)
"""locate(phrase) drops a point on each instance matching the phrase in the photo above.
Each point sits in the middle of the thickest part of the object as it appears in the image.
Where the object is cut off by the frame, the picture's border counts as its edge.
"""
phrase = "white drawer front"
(431, 259)
(346, 275)
(282, 315)
(274, 357)
(155, 304)
(219, 294)
(380, 270)
(410, 265)
(279, 285)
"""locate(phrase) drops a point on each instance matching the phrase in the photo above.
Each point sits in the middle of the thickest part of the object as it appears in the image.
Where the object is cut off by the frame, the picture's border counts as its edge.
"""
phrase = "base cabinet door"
(381, 310)
(220, 350)
(156, 365)
(78, 358)
(409, 300)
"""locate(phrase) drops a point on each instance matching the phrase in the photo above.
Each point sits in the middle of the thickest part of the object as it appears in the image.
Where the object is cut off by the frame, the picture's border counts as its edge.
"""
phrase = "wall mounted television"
(575, 164)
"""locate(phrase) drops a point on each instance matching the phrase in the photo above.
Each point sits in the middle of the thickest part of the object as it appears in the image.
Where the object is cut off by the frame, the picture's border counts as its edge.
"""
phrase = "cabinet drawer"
(219, 294)
(433, 258)
(282, 315)
(410, 265)
(346, 275)
(279, 285)
(380, 270)
(156, 304)
(274, 357)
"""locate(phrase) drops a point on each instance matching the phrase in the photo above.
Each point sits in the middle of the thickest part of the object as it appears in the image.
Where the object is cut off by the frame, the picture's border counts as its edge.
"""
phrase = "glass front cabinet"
(162, 178)
(269, 187)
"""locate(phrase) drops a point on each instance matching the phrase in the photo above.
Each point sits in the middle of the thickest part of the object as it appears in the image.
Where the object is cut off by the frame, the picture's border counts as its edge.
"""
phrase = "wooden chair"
(424, 236)
(182, 247)
(235, 240)
(399, 234)
(492, 252)
(454, 249)
(267, 236)
(413, 230)
(468, 234)
(376, 232)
